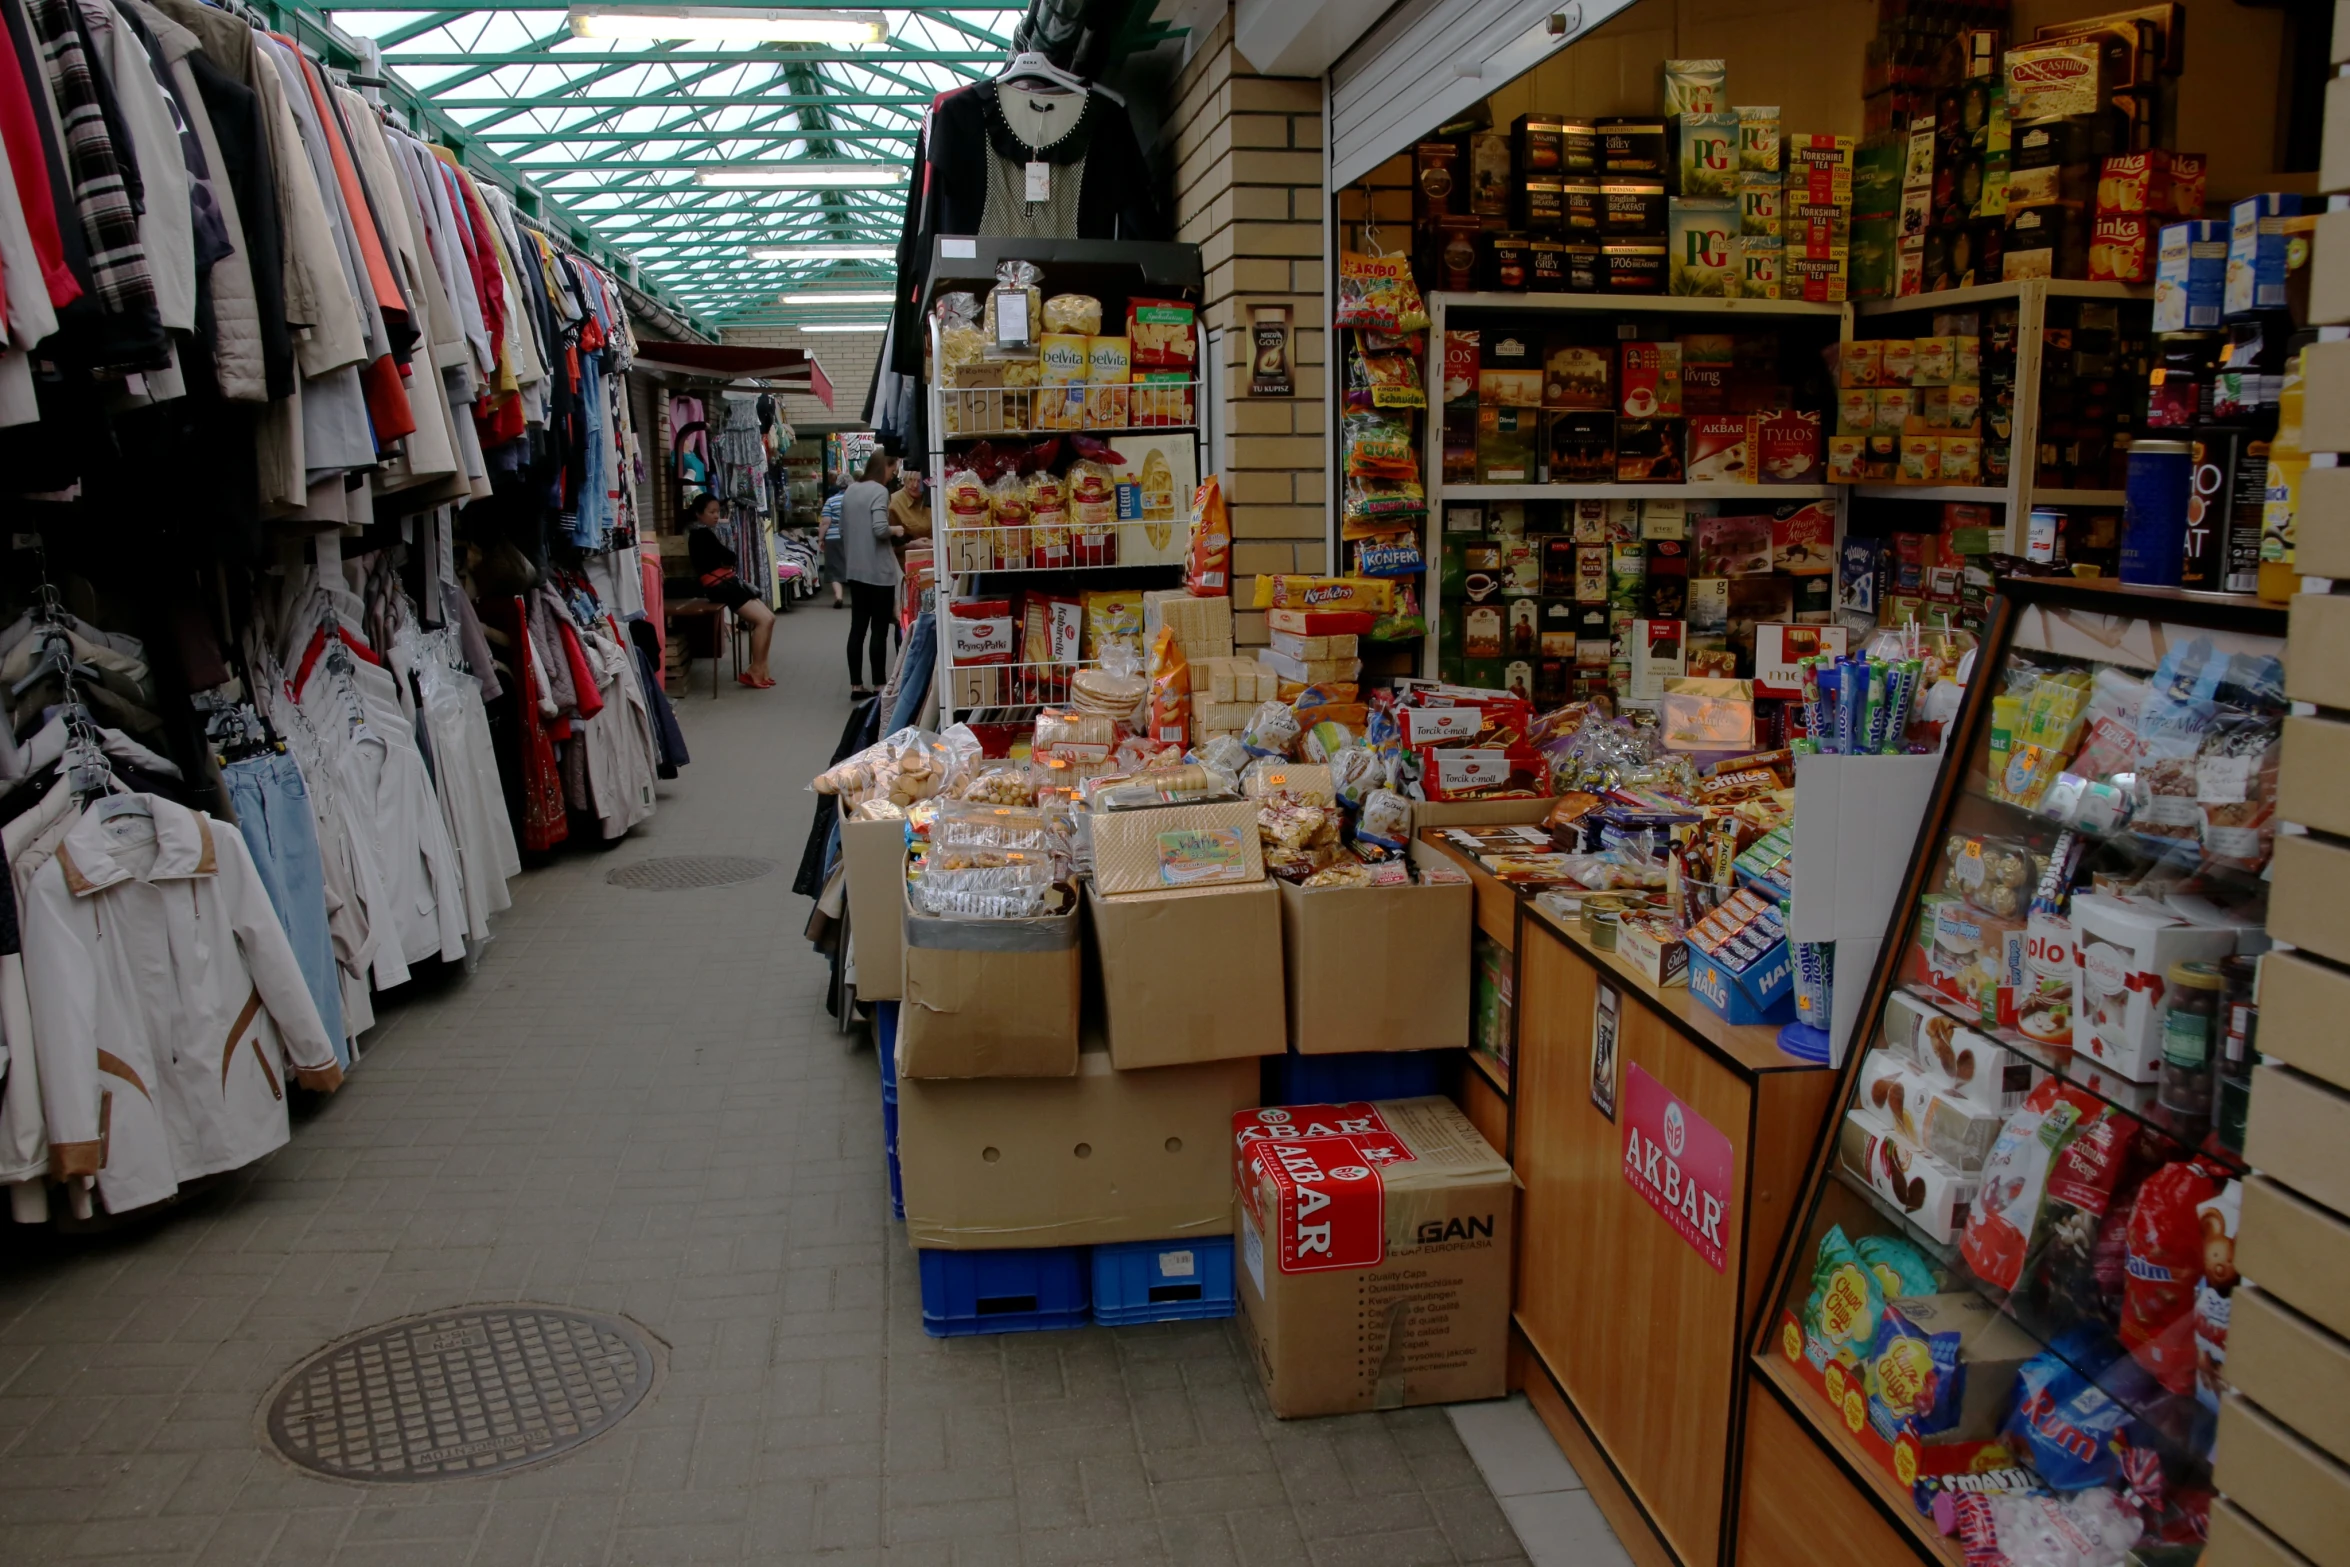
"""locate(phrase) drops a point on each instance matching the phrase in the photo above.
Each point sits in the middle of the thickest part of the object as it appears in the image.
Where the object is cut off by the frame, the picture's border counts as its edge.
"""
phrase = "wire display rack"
(1127, 534)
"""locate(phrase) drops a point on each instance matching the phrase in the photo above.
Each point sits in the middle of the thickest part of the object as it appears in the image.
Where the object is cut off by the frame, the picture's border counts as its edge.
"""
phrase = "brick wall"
(1248, 192)
(848, 359)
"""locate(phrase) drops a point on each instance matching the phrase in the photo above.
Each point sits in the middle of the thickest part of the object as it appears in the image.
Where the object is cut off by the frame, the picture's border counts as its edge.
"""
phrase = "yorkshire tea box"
(1375, 1247)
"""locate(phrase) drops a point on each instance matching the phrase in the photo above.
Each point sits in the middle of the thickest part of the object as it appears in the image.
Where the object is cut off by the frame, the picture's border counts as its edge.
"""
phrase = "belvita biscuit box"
(1375, 1251)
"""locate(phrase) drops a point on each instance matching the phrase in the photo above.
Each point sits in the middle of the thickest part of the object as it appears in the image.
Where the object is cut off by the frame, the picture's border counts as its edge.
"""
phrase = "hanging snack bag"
(1378, 447)
(1014, 311)
(1207, 565)
(1384, 378)
(1093, 514)
(1048, 521)
(1377, 292)
(1078, 313)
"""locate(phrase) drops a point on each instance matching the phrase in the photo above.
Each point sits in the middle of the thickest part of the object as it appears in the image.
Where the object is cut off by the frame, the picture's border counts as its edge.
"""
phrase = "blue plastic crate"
(885, 1045)
(967, 1292)
(1162, 1281)
(1294, 1079)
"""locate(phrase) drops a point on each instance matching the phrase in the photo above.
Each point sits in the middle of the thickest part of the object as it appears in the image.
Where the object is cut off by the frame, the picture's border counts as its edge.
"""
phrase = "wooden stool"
(700, 628)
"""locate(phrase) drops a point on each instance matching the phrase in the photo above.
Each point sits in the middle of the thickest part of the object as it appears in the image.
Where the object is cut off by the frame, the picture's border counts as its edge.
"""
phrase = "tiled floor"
(638, 1105)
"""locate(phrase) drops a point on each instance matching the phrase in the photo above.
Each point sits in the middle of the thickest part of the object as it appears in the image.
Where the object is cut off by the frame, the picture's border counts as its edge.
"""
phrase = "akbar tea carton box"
(1375, 1249)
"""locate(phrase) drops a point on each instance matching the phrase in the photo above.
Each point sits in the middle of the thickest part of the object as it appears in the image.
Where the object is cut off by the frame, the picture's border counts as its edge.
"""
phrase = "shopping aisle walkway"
(638, 1105)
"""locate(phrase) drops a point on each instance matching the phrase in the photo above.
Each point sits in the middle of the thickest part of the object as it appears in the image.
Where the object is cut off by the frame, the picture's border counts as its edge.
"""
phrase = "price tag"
(1039, 176)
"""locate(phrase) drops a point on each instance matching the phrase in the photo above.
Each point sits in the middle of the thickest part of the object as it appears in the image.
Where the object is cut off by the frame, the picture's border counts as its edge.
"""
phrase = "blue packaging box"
(2256, 252)
(1765, 993)
(2190, 276)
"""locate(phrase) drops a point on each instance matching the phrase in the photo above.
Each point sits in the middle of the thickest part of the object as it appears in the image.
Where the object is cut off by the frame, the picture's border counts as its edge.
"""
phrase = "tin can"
(2154, 514)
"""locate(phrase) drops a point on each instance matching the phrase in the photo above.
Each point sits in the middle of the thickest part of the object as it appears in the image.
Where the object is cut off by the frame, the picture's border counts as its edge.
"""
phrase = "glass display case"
(2005, 1308)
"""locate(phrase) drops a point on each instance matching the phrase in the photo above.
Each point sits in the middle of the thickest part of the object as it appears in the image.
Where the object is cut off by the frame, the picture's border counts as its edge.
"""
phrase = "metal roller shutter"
(1433, 58)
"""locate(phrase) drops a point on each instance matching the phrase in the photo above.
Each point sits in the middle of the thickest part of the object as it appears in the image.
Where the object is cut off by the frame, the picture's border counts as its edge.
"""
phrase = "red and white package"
(1360, 1119)
(980, 631)
(1319, 1203)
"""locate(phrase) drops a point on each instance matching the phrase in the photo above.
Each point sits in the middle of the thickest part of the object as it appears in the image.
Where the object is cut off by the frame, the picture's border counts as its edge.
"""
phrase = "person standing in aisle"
(909, 510)
(866, 537)
(835, 566)
(716, 564)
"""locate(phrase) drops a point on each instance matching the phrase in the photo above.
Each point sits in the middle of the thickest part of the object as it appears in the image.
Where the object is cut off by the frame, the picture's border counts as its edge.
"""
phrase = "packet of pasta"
(1159, 335)
(1048, 521)
(1093, 514)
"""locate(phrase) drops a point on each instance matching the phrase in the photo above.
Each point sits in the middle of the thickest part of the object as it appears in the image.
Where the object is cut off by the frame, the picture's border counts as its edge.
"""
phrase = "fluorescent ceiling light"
(825, 253)
(799, 176)
(844, 326)
(880, 296)
(714, 24)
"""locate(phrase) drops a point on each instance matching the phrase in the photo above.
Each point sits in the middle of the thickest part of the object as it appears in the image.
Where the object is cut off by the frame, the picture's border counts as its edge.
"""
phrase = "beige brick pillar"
(1248, 192)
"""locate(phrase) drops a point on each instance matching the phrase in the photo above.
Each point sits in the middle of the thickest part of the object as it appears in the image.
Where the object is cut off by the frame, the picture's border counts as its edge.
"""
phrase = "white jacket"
(166, 1002)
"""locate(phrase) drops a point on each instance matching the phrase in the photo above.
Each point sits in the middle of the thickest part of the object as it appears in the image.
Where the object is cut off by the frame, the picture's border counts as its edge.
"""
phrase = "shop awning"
(790, 369)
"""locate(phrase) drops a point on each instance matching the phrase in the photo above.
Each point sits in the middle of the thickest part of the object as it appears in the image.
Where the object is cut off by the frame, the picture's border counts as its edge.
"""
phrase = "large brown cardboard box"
(874, 856)
(990, 998)
(1377, 968)
(1072, 1161)
(1190, 976)
(1375, 1268)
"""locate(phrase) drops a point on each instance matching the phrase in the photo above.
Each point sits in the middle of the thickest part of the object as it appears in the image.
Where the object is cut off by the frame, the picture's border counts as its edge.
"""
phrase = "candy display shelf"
(2031, 1275)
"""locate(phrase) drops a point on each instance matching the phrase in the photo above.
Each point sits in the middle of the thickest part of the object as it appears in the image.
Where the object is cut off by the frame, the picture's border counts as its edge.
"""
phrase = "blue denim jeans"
(273, 813)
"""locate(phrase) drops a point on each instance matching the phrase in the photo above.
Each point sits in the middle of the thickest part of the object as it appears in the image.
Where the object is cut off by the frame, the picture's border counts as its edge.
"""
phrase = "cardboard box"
(2305, 905)
(2296, 1133)
(1101, 1156)
(2297, 1251)
(2291, 1368)
(990, 998)
(2299, 1494)
(1193, 975)
(1377, 968)
(1398, 1293)
(1763, 994)
(2190, 276)
(1177, 846)
(2302, 1005)
(873, 855)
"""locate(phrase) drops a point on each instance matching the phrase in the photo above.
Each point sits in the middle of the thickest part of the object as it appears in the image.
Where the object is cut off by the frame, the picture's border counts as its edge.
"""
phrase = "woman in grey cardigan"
(872, 570)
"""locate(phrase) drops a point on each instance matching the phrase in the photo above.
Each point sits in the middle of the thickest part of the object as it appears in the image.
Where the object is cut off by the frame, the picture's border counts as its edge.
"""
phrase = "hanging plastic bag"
(1378, 292)
(1207, 565)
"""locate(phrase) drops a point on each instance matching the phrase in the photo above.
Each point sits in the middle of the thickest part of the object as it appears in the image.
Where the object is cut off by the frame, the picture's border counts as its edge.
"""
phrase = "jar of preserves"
(2191, 1024)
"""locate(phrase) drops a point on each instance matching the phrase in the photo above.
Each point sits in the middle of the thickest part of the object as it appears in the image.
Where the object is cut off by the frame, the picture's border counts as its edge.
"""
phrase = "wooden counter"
(1636, 1342)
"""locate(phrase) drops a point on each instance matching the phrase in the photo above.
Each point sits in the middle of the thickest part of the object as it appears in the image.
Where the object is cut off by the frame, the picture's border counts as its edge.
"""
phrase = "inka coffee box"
(1374, 1243)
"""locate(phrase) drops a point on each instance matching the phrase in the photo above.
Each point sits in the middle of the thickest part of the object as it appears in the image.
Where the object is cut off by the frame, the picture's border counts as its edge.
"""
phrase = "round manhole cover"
(474, 1391)
(684, 872)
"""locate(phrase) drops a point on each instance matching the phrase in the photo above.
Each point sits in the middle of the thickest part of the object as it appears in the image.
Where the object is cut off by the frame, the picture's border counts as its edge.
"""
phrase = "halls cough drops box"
(1375, 1249)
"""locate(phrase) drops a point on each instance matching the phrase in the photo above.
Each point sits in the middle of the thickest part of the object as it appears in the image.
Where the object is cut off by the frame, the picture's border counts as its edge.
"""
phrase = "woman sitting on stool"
(715, 564)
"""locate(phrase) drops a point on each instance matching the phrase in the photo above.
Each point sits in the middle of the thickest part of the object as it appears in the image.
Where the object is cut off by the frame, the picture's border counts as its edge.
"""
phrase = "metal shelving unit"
(1101, 551)
(1441, 306)
(2030, 296)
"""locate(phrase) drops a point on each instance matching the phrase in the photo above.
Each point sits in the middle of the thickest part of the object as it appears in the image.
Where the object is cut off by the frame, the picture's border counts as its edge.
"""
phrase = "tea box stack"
(1725, 231)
